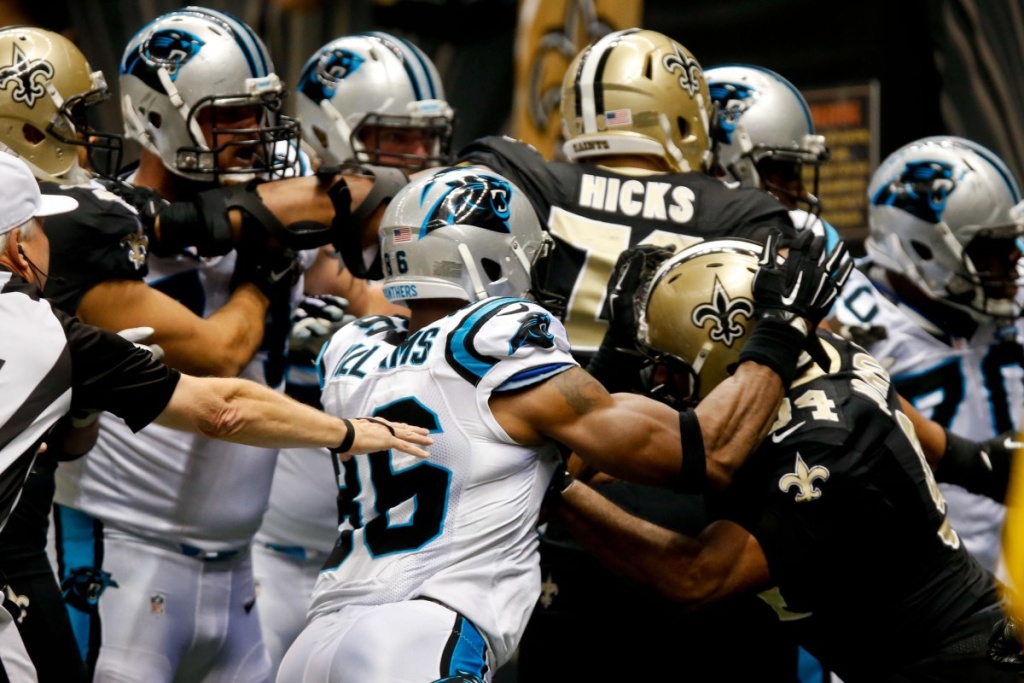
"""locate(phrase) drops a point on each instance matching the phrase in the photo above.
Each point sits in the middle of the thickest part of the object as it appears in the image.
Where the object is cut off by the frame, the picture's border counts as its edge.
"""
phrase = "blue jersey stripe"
(460, 352)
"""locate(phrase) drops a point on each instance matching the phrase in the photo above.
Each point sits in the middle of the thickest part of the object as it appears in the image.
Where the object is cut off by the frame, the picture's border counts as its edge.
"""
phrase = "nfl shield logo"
(157, 604)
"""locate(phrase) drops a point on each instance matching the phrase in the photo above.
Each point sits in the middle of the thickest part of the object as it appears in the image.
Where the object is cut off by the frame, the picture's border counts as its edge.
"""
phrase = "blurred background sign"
(848, 117)
(549, 33)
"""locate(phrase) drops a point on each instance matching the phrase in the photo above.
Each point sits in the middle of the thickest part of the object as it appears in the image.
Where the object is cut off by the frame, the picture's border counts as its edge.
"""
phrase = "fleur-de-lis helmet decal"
(723, 312)
(698, 311)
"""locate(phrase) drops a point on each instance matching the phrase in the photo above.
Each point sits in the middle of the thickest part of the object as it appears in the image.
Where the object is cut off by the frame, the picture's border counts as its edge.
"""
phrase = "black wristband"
(693, 473)
(346, 443)
(777, 345)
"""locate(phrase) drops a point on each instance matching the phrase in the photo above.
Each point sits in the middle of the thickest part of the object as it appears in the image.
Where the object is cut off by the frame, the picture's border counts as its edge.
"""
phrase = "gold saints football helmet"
(46, 85)
(697, 313)
(637, 92)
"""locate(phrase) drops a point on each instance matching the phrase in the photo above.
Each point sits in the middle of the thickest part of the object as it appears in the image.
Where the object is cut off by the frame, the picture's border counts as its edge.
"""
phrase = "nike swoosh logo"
(779, 436)
(1012, 445)
(276, 277)
(512, 311)
(788, 300)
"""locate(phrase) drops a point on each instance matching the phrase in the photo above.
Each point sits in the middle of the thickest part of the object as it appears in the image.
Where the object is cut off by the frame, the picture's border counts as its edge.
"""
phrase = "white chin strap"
(342, 128)
(474, 276)
(183, 110)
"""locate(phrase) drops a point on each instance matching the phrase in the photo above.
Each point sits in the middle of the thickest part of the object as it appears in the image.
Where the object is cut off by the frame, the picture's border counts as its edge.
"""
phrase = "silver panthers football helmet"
(946, 213)
(637, 92)
(697, 313)
(198, 62)
(460, 233)
(763, 130)
(373, 79)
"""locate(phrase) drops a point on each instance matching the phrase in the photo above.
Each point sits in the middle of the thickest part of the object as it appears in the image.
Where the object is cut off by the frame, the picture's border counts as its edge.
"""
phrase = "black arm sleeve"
(110, 373)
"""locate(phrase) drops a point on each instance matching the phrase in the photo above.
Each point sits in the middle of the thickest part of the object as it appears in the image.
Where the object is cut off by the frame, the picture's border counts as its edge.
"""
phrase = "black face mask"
(671, 381)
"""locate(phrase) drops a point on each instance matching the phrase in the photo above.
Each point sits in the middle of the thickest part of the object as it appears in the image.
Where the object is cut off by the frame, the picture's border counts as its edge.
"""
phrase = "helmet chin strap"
(474, 276)
(339, 123)
(183, 110)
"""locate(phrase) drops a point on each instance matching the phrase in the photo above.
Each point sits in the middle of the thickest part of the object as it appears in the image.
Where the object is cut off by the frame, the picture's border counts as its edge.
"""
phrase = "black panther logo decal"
(168, 49)
(533, 331)
(733, 100)
(482, 201)
(83, 587)
(922, 189)
(28, 76)
(320, 77)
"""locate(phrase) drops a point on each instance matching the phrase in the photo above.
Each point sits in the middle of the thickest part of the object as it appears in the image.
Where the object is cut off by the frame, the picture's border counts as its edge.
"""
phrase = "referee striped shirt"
(50, 363)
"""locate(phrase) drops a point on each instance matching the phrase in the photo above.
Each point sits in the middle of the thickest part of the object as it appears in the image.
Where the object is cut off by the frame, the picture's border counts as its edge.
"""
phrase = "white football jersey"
(973, 387)
(460, 526)
(177, 488)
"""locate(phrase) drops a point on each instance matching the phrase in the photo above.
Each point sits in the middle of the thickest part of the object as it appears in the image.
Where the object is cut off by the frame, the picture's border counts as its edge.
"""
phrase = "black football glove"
(145, 200)
(617, 362)
(981, 467)
(805, 285)
(790, 300)
(1004, 646)
(631, 275)
(275, 273)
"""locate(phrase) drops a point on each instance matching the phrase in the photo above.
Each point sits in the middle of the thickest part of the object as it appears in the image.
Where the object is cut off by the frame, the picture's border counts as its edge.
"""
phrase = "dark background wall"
(944, 66)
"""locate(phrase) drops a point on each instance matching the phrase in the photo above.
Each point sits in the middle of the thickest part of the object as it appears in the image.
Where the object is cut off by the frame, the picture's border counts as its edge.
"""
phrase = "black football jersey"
(851, 521)
(594, 213)
(100, 240)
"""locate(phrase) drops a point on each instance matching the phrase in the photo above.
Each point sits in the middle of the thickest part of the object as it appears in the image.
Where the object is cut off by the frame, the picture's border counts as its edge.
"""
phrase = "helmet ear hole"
(684, 127)
(491, 268)
(321, 136)
(155, 119)
(922, 250)
(32, 135)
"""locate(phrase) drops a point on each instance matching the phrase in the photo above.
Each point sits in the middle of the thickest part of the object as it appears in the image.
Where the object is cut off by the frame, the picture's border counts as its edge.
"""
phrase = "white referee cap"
(20, 198)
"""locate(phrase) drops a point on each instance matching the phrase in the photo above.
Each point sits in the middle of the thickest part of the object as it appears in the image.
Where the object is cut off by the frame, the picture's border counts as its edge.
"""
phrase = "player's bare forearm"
(246, 412)
(931, 435)
(628, 545)
(220, 345)
(723, 561)
(626, 435)
(735, 418)
(306, 199)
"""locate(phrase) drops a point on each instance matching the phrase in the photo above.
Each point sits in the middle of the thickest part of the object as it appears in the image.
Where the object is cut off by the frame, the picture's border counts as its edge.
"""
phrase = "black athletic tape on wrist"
(693, 473)
(777, 345)
(350, 437)
(183, 224)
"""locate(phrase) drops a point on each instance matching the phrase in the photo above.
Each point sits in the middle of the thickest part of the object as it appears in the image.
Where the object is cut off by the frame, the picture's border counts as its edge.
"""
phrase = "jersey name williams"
(650, 199)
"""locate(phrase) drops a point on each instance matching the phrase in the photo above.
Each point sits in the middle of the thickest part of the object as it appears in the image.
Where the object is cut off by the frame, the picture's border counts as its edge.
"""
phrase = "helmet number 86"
(400, 263)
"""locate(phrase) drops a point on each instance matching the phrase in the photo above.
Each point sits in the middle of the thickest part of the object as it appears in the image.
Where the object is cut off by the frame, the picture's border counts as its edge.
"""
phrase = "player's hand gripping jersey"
(460, 527)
